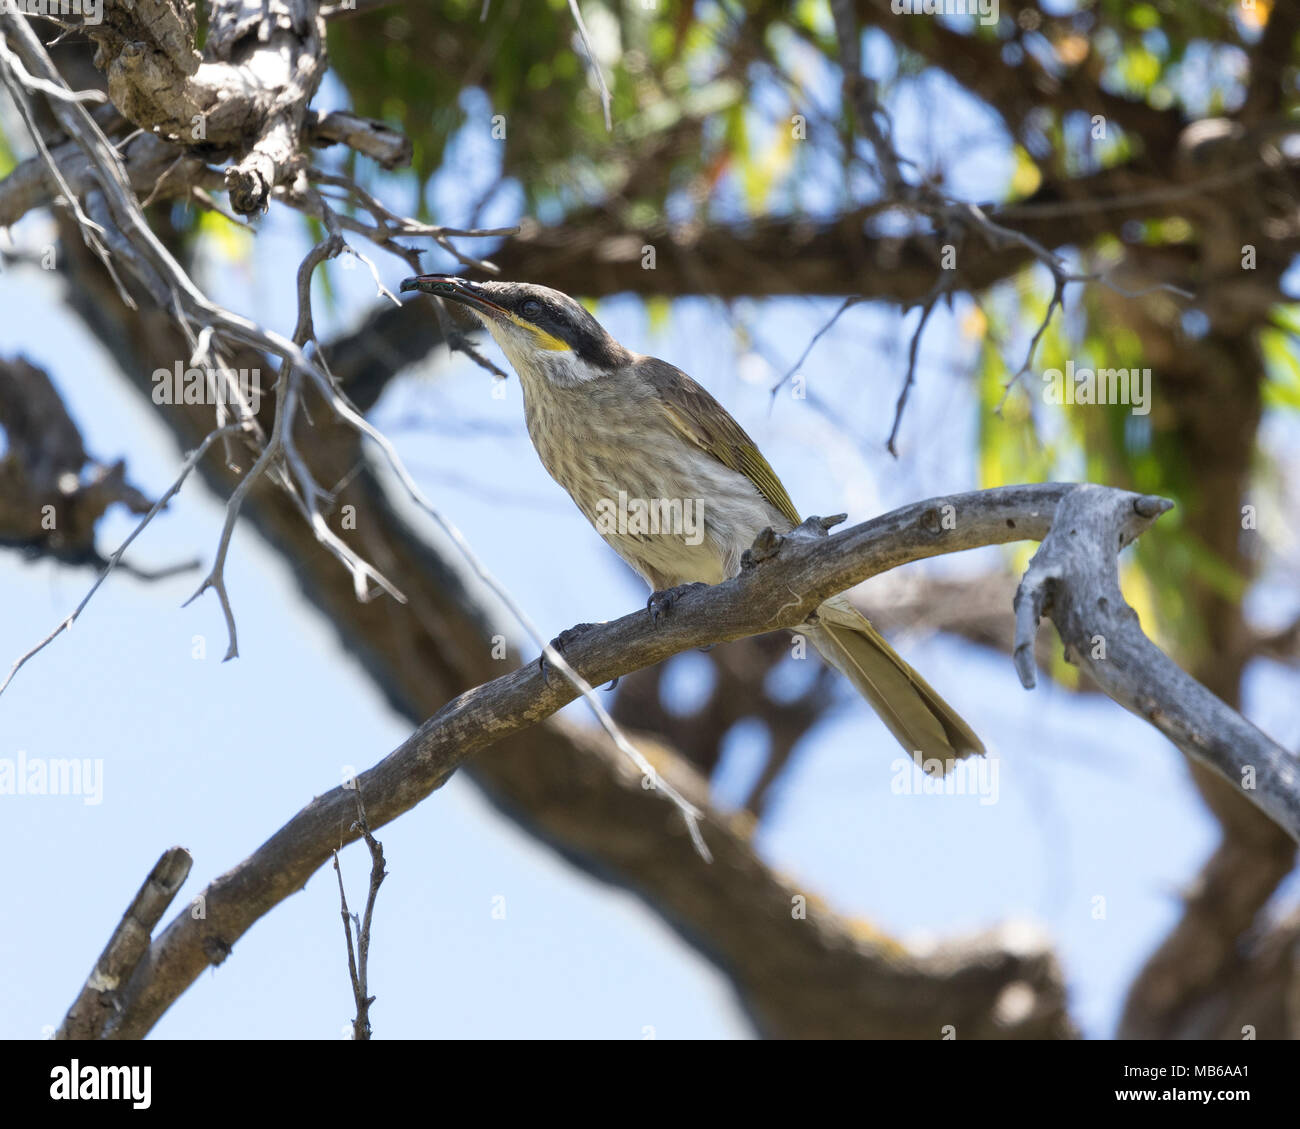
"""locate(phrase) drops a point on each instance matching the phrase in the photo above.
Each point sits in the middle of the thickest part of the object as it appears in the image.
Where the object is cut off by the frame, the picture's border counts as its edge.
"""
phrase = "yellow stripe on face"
(545, 340)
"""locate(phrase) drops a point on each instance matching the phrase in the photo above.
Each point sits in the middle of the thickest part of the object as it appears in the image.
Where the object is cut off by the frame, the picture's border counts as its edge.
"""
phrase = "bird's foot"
(662, 603)
(560, 642)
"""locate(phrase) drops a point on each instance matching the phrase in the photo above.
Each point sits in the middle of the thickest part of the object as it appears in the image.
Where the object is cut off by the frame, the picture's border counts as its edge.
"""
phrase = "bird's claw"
(560, 642)
(661, 603)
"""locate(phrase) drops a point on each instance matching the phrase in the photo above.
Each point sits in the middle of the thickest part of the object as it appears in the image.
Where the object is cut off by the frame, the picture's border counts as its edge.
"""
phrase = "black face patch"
(561, 317)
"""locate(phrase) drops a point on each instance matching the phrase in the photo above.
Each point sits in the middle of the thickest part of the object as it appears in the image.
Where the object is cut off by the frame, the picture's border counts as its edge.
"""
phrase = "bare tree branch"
(1072, 578)
(359, 950)
(191, 461)
(247, 94)
(129, 942)
(52, 493)
(796, 574)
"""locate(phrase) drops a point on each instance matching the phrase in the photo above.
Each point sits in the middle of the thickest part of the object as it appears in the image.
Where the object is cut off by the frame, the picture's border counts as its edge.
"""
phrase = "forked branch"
(781, 590)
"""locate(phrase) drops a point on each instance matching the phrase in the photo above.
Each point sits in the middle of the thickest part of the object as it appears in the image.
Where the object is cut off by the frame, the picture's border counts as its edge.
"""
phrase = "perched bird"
(611, 425)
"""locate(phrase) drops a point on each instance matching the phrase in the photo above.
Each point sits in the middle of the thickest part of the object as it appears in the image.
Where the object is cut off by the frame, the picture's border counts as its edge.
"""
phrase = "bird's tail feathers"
(922, 722)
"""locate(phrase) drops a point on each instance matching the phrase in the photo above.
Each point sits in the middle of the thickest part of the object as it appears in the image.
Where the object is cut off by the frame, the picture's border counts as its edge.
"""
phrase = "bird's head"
(544, 333)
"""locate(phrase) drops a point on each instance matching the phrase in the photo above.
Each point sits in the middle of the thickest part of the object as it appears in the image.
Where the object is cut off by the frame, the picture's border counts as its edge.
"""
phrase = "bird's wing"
(707, 424)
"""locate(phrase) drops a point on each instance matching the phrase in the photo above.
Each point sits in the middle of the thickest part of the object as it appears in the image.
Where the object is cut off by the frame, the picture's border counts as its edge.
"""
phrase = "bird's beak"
(456, 290)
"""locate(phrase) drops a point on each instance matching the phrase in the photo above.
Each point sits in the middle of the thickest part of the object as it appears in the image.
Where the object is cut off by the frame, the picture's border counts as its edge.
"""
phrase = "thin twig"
(606, 100)
(927, 308)
(191, 461)
(846, 305)
(359, 953)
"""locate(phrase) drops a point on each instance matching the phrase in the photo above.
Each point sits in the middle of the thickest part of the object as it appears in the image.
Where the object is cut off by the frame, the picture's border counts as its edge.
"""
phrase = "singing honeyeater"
(612, 424)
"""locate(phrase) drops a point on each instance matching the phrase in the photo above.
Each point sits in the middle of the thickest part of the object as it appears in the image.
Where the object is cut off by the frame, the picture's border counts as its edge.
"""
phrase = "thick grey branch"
(248, 95)
(780, 592)
(1074, 579)
(130, 940)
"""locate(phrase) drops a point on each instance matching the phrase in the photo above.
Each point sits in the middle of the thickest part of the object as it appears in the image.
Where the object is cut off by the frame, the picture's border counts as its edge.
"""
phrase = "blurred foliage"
(413, 64)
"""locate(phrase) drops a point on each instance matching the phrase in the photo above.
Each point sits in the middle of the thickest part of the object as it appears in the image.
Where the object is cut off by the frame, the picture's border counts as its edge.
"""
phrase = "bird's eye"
(531, 308)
